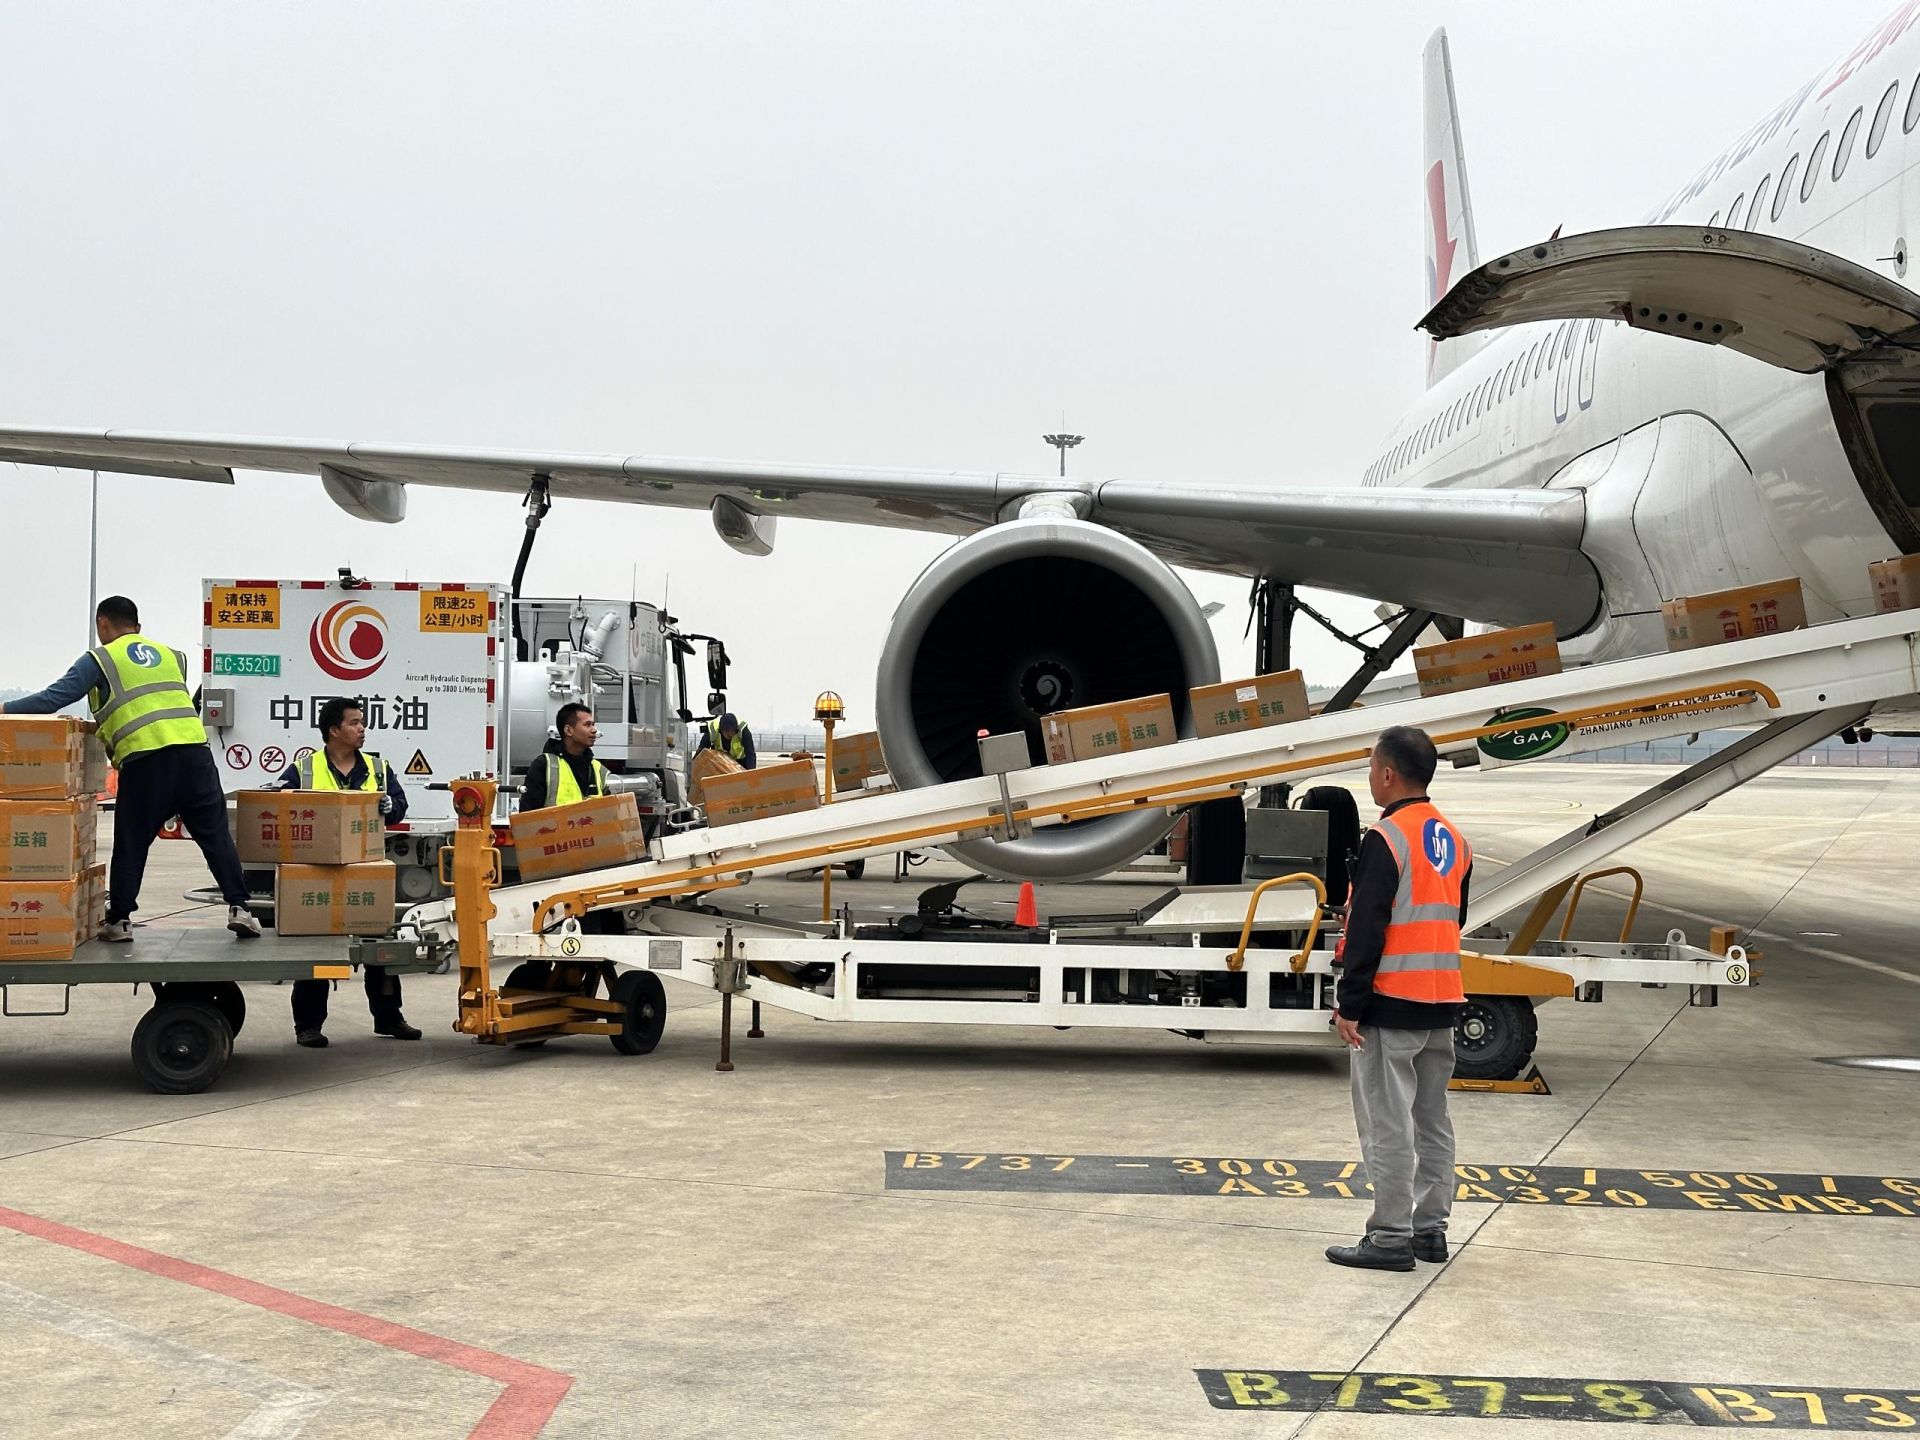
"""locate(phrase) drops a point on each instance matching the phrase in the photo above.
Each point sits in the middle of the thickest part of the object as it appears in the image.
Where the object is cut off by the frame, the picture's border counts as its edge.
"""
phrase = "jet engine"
(1018, 621)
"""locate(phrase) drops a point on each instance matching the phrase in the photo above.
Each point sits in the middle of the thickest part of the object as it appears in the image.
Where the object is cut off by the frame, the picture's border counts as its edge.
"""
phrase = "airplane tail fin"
(1452, 250)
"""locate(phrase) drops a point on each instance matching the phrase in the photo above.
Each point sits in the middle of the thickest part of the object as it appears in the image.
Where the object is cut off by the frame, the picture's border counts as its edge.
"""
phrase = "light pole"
(1063, 443)
(828, 708)
(93, 562)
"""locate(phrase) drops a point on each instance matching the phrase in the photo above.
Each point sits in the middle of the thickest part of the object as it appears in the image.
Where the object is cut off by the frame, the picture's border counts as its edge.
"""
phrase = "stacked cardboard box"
(706, 765)
(52, 896)
(1249, 704)
(1523, 653)
(328, 850)
(1896, 582)
(856, 759)
(754, 794)
(590, 835)
(1096, 730)
(1696, 620)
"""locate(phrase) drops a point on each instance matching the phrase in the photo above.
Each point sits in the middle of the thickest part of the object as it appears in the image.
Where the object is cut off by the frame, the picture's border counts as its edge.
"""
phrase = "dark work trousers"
(310, 1000)
(154, 787)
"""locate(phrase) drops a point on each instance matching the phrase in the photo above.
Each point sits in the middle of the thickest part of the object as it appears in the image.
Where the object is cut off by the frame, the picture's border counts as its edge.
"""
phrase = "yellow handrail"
(1633, 907)
(1299, 877)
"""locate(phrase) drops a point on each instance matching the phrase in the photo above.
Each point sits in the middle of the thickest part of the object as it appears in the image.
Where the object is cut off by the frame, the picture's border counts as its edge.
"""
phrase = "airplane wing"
(1490, 554)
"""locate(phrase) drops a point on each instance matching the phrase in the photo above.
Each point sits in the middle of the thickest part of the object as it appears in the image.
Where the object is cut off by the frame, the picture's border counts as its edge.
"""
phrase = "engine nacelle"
(1018, 621)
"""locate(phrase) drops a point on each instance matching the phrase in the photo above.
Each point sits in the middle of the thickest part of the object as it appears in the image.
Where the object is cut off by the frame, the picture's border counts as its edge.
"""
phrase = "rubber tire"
(529, 975)
(856, 869)
(224, 995)
(643, 1002)
(180, 1047)
(1343, 834)
(1507, 1030)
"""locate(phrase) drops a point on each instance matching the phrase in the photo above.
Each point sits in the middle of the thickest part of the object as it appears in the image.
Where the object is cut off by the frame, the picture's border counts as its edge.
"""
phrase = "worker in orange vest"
(1399, 994)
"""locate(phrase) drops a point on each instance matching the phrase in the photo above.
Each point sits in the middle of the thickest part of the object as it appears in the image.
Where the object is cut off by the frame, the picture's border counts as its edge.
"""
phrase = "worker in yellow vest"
(565, 773)
(726, 734)
(343, 763)
(137, 691)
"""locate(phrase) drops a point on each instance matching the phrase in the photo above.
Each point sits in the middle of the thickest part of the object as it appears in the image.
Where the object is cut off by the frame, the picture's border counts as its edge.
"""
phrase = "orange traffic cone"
(1026, 913)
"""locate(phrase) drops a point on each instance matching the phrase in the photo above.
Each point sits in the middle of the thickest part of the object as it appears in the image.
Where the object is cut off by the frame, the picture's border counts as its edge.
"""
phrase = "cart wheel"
(181, 1046)
(1494, 1037)
(856, 868)
(529, 975)
(644, 1002)
(223, 995)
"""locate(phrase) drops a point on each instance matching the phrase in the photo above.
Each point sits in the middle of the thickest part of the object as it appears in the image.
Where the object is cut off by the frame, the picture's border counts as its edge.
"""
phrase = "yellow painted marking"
(333, 972)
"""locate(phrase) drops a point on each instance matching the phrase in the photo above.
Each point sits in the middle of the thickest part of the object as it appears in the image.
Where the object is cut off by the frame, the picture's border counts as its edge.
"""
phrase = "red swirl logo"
(349, 640)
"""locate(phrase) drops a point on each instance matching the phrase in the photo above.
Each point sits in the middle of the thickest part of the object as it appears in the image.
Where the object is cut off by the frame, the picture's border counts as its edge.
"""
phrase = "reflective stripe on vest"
(1421, 957)
(146, 705)
(734, 749)
(563, 789)
(316, 773)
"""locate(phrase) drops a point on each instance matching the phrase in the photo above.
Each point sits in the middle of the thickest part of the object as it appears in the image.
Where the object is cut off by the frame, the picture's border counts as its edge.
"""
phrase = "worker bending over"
(137, 691)
(1399, 993)
(343, 763)
(731, 739)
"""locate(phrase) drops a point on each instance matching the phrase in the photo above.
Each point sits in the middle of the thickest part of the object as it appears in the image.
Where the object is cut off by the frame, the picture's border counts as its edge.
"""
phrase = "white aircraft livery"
(1724, 394)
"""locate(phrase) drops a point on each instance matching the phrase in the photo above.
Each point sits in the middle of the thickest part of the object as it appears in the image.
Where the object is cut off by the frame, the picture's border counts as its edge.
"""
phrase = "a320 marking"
(1737, 1192)
(1646, 1402)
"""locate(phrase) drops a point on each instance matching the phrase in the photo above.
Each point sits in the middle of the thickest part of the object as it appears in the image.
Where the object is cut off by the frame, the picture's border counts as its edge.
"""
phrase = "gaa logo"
(143, 655)
(349, 640)
(1443, 849)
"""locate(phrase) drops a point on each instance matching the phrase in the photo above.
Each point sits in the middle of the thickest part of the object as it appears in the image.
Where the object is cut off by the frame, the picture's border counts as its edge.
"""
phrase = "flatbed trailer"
(183, 1042)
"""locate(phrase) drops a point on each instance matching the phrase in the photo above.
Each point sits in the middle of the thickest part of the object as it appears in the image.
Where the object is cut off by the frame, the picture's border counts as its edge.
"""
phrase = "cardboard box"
(44, 757)
(47, 839)
(1696, 620)
(1896, 582)
(1096, 730)
(334, 899)
(1249, 704)
(93, 763)
(856, 757)
(706, 765)
(308, 827)
(770, 790)
(49, 919)
(566, 839)
(1494, 658)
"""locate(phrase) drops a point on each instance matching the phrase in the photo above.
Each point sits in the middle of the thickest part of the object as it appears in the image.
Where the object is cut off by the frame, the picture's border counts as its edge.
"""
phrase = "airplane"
(1724, 394)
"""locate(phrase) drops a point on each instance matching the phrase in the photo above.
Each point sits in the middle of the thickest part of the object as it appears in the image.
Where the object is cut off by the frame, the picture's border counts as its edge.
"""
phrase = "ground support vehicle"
(184, 1041)
(1794, 688)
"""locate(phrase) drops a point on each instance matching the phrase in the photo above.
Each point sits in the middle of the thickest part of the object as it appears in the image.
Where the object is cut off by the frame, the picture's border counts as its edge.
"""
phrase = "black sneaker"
(396, 1029)
(312, 1039)
(1369, 1256)
(1430, 1246)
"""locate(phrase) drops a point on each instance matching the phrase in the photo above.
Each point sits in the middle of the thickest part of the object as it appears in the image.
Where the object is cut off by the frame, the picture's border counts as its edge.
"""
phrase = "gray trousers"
(1406, 1136)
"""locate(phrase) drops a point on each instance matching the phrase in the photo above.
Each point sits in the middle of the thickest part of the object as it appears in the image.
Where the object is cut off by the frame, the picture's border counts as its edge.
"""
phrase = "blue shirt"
(354, 779)
(70, 687)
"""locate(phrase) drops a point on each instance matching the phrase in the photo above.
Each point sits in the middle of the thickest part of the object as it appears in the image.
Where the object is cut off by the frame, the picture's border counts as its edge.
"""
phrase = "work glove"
(386, 804)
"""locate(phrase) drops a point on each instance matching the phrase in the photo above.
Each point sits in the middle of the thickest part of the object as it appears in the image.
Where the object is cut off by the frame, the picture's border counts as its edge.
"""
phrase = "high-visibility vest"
(146, 705)
(316, 773)
(1421, 957)
(735, 749)
(563, 789)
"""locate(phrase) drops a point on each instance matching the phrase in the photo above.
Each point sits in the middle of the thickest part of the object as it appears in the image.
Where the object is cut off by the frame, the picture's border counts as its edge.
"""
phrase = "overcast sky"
(869, 233)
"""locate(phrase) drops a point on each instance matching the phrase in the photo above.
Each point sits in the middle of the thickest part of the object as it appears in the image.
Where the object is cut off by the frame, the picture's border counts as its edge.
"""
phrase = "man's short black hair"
(333, 715)
(570, 712)
(119, 610)
(1409, 753)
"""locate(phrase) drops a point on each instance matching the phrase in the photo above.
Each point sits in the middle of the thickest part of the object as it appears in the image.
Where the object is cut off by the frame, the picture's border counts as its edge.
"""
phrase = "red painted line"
(520, 1412)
